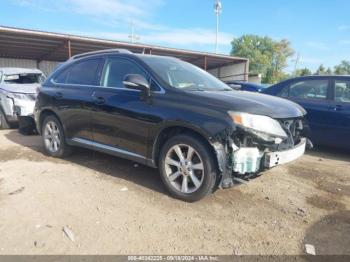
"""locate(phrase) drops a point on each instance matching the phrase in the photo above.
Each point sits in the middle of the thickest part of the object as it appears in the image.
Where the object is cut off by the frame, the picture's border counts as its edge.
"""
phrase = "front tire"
(26, 126)
(187, 168)
(54, 138)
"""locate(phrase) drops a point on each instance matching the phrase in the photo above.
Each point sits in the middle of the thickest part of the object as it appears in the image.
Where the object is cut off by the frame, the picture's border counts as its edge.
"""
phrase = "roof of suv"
(116, 52)
(312, 77)
(320, 76)
(106, 51)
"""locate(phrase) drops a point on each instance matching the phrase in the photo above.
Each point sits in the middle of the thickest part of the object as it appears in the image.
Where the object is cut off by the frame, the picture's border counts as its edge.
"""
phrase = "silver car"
(18, 88)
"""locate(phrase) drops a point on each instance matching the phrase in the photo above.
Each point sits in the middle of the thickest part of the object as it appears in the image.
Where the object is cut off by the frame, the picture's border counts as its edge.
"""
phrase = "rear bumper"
(282, 157)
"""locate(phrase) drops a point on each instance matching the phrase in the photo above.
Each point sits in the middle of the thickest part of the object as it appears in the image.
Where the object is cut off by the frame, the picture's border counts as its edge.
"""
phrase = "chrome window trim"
(162, 91)
(93, 86)
(105, 57)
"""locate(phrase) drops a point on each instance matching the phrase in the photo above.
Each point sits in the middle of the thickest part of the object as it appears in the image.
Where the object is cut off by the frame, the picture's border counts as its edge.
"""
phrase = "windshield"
(183, 75)
(24, 79)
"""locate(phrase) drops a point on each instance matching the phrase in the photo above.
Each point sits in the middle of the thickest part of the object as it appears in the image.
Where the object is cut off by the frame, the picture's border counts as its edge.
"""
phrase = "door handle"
(99, 100)
(58, 95)
(336, 107)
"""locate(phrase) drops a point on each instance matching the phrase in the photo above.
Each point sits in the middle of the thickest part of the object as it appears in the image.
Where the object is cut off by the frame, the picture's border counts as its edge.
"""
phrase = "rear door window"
(309, 89)
(342, 91)
(86, 72)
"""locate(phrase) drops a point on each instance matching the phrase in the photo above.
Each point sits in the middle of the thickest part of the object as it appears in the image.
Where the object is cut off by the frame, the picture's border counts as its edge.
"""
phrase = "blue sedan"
(245, 86)
(327, 102)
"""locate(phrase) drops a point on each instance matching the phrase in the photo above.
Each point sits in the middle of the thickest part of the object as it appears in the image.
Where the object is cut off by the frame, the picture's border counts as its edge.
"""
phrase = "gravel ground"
(114, 206)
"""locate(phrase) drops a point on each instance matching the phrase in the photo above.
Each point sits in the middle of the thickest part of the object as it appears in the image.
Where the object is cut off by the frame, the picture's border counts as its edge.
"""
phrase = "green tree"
(321, 70)
(266, 56)
(343, 68)
(303, 72)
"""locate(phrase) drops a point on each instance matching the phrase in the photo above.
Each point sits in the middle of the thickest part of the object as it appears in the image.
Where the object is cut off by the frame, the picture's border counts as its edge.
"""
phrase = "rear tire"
(54, 138)
(187, 168)
(4, 124)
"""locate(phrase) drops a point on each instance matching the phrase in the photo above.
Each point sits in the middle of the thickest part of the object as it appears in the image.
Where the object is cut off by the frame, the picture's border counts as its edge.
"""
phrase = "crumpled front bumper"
(247, 160)
(17, 107)
(282, 157)
(24, 107)
(245, 163)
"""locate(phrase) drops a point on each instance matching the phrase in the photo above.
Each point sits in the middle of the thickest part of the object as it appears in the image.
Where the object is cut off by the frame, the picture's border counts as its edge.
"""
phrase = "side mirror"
(137, 82)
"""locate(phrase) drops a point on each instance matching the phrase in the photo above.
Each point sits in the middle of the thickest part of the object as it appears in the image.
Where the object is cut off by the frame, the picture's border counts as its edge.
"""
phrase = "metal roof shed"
(40, 46)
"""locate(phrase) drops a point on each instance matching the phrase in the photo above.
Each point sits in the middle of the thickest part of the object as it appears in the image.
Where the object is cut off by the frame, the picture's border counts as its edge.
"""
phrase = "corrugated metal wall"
(46, 66)
(22, 63)
(230, 72)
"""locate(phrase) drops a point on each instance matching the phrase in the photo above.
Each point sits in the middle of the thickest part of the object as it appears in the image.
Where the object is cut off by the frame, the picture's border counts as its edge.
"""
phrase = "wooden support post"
(69, 49)
(205, 63)
(246, 73)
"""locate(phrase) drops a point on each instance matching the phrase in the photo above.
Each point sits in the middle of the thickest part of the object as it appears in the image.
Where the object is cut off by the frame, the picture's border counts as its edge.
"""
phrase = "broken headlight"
(263, 127)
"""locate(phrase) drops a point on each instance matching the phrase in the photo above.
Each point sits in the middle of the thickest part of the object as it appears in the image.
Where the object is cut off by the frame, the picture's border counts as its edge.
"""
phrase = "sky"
(319, 30)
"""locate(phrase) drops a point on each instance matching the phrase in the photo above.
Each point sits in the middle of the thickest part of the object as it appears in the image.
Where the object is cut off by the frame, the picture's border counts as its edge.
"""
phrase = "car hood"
(254, 103)
(20, 88)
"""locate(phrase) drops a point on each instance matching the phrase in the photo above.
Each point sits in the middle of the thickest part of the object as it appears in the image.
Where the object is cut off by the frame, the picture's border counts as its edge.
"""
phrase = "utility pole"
(218, 11)
(296, 63)
(133, 37)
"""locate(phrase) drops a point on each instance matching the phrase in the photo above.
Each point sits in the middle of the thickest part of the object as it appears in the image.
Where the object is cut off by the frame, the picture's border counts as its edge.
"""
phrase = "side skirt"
(82, 142)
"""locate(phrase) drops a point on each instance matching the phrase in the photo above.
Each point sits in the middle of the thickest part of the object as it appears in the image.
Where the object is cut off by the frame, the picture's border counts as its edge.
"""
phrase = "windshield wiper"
(193, 88)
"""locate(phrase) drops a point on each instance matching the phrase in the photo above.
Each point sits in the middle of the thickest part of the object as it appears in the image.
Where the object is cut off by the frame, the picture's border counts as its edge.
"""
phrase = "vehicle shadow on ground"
(99, 162)
(330, 235)
(330, 153)
(120, 168)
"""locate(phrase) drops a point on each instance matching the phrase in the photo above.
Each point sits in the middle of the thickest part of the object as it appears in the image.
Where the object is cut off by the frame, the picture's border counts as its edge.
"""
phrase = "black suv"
(166, 113)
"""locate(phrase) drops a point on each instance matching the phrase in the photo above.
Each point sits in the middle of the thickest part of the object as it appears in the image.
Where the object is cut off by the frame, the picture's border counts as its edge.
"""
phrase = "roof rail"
(106, 51)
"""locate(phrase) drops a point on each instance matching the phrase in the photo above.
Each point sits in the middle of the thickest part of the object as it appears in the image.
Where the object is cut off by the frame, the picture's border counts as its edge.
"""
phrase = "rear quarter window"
(62, 76)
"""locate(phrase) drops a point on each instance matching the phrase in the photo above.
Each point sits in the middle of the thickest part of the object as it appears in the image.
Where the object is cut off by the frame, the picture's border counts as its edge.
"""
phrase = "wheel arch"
(175, 129)
(44, 113)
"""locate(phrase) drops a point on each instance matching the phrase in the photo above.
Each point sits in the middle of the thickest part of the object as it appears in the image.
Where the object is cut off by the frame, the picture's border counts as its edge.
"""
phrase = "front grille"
(293, 128)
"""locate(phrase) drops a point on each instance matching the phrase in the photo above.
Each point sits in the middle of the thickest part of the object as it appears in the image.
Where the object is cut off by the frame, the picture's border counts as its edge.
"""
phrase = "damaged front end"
(17, 104)
(243, 152)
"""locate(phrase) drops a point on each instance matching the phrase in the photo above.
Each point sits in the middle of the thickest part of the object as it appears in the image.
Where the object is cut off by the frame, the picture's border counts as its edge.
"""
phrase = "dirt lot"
(306, 202)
